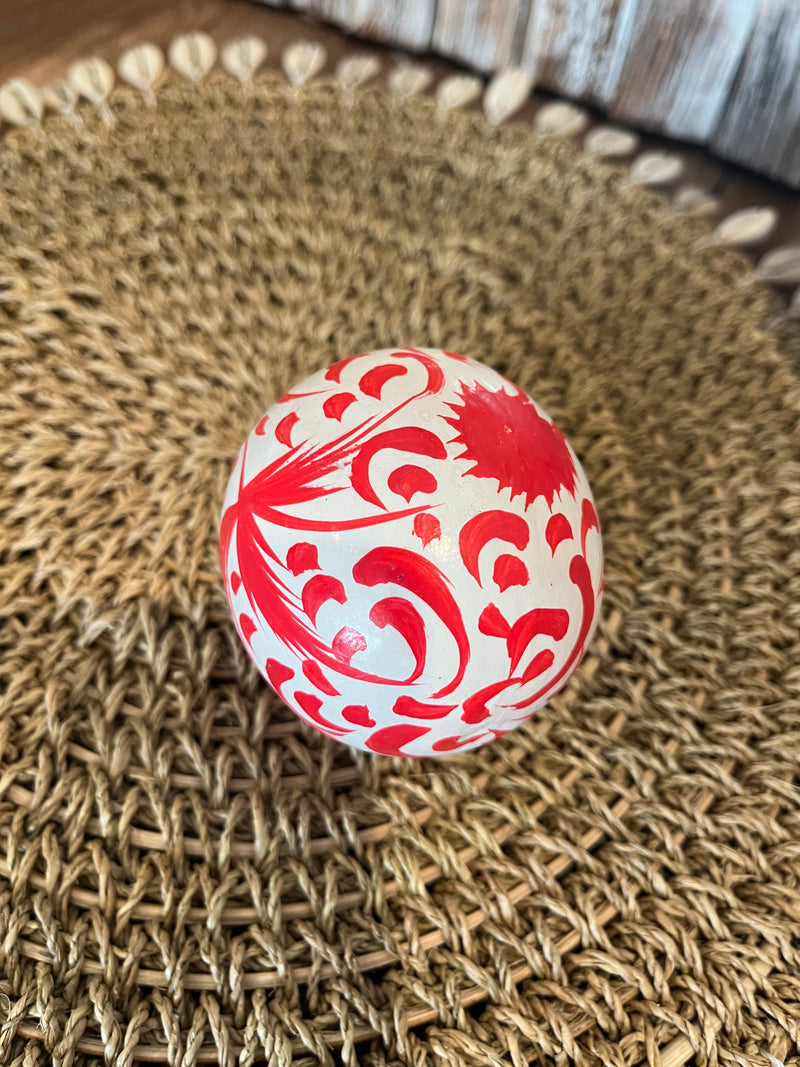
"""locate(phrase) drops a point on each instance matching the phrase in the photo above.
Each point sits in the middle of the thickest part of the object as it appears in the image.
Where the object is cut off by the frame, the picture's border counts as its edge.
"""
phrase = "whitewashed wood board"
(484, 34)
(721, 72)
(681, 62)
(760, 125)
(578, 47)
(406, 23)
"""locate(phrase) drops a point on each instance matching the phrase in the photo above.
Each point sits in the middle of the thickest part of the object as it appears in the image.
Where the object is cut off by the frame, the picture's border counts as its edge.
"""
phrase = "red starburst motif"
(507, 439)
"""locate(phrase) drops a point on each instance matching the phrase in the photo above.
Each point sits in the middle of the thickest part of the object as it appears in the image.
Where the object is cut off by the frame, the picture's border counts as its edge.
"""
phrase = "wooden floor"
(40, 38)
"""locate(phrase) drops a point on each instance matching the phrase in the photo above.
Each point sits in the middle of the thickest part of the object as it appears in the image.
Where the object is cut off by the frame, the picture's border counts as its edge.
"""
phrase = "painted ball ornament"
(411, 552)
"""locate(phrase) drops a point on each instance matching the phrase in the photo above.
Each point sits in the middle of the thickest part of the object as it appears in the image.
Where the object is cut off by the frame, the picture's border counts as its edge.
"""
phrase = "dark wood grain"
(42, 37)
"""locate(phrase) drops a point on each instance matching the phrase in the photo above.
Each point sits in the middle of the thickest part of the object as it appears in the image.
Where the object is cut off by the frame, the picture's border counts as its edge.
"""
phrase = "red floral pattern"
(410, 551)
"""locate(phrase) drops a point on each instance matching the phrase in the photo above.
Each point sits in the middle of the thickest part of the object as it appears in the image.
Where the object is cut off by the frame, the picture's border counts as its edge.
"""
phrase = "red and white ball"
(411, 552)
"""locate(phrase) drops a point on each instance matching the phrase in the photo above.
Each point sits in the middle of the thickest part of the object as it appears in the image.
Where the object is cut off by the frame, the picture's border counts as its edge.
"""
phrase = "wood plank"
(761, 122)
(485, 34)
(32, 38)
(681, 63)
(43, 51)
(578, 47)
(401, 23)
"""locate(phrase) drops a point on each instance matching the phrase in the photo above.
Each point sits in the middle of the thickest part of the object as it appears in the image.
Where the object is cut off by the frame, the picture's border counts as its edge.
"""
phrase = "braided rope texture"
(188, 874)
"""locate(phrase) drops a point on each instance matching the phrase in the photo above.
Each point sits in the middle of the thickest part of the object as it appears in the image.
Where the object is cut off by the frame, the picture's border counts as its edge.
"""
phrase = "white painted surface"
(578, 47)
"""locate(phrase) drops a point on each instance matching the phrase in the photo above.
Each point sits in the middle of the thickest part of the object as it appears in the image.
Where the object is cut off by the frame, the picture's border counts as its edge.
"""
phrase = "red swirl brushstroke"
(247, 627)
(434, 372)
(391, 739)
(236, 582)
(374, 380)
(427, 528)
(298, 476)
(402, 616)
(358, 715)
(540, 663)
(475, 708)
(278, 675)
(273, 602)
(261, 426)
(552, 622)
(549, 622)
(302, 557)
(419, 576)
(347, 643)
(414, 439)
(311, 704)
(295, 477)
(287, 398)
(313, 671)
(295, 522)
(318, 590)
(417, 709)
(558, 530)
(283, 431)
(450, 744)
(287, 479)
(478, 531)
(508, 571)
(336, 405)
(581, 577)
(410, 479)
(589, 521)
(334, 372)
(492, 623)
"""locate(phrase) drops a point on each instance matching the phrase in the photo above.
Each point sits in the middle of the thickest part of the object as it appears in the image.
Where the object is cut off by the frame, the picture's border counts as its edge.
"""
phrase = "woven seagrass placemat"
(187, 873)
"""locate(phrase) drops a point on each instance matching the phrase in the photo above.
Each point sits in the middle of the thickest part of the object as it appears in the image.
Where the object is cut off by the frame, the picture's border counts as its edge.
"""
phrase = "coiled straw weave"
(187, 873)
